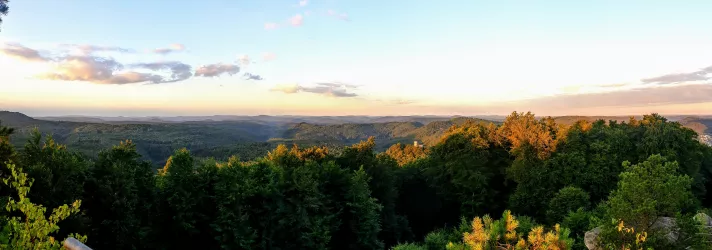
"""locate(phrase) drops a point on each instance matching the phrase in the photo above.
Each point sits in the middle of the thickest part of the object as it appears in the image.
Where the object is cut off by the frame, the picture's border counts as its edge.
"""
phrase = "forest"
(524, 183)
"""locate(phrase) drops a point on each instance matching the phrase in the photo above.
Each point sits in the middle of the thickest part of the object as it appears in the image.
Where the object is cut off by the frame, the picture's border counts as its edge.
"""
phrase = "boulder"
(591, 238)
(668, 226)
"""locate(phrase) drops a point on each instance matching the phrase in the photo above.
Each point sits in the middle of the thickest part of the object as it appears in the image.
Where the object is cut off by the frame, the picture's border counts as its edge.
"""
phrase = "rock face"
(668, 226)
(591, 238)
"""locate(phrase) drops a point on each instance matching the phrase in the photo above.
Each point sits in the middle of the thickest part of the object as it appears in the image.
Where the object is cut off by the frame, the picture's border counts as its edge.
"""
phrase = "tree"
(33, 230)
(648, 190)
(179, 201)
(405, 154)
(468, 169)
(4, 9)
(119, 199)
(5, 132)
(567, 200)
(382, 185)
(503, 234)
(363, 211)
(59, 176)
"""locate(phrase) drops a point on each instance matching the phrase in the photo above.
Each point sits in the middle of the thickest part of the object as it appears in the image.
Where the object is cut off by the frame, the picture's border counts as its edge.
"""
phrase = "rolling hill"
(154, 141)
(386, 134)
(252, 136)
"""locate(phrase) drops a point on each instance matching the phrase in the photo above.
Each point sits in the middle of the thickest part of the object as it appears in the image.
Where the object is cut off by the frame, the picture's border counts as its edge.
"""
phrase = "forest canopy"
(633, 183)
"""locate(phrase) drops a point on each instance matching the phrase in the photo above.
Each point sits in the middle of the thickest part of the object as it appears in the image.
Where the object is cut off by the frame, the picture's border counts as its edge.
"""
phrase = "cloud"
(268, 56)
(95, 70)
(342, 16)
(296, 20)
(172, 48)
(105, 70)
(244, 60)
(337, 85)
(287, 89)
(270, 26)
(179, 71)
(212, 70)
(250, 76)
(612, 85)
(86, 49)
(402, 102)
(658, 95)
(701, 75)
(303, 3)
(326, 89)
(22, 52)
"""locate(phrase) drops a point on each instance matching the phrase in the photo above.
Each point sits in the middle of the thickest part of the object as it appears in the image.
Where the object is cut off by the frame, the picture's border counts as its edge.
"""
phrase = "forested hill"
(221, 136)
(154, 141)
(386, 134)
(627, 184)
(249, 137)
(701, 125)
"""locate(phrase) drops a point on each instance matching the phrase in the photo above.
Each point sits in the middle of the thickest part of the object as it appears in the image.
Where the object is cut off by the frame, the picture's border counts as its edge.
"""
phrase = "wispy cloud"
(337, 85)
(700, 75)
(86, 49)
(244, 60)
(342, 16)
(22, 52)
(296, 20)
(270, 26)
(658, 95)
(170, 49)
(287, 88)
(326, 89)
(303, 3)
(402, 102)
(268, 56)
(218, 69)
(178, 71)
(250, 76)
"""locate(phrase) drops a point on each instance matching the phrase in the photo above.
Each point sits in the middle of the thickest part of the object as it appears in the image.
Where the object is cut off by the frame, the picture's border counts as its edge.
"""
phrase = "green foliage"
(33, 230)
(119, 198)
(409, 246)
(579, 222)
(504, 234)
(467, 170)
(59, 176)
(568, 199)
(436, 240)
(233, 190)
(3, 9)
(180, 195)
(381, 171)
(364, 210)
(648, 190)
(618, 236)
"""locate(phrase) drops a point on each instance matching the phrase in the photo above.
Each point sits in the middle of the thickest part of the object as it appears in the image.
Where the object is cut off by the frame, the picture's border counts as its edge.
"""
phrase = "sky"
(346, 57)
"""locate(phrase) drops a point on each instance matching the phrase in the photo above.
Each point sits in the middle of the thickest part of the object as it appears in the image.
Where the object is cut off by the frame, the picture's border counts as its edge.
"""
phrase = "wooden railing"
(73, 244)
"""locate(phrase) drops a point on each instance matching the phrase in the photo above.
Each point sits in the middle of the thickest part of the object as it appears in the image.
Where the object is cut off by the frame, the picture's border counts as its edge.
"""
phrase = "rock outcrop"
(591, 238)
